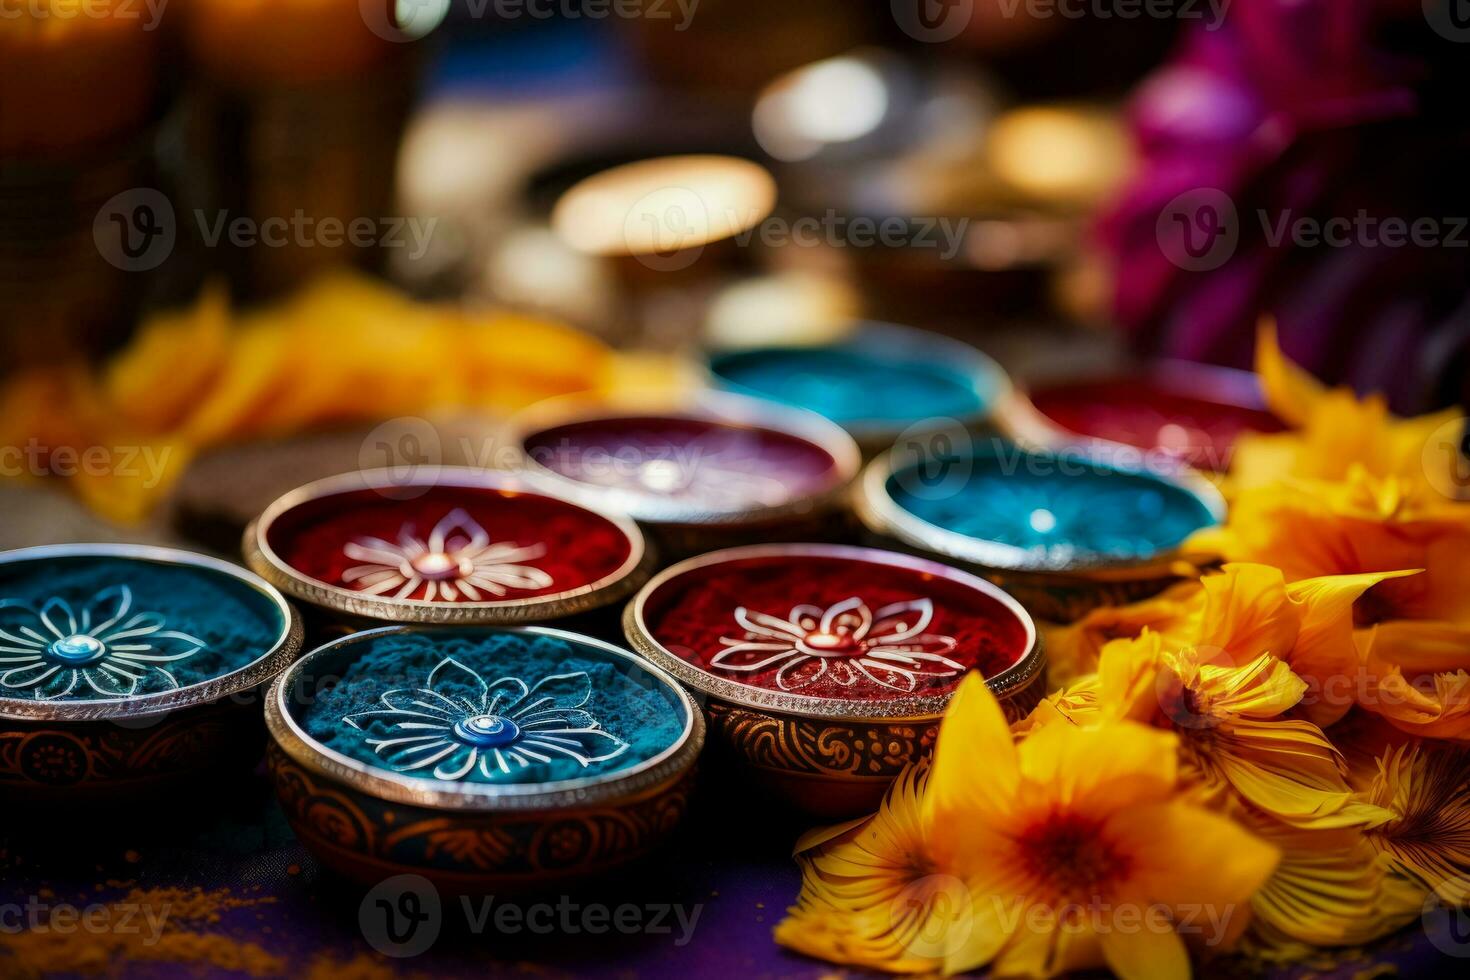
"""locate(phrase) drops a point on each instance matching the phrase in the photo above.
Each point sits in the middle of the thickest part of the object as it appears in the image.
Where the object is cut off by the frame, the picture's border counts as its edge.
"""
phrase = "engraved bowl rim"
(384, 784)
(258, 671)
(1025, 671)
(273, 568)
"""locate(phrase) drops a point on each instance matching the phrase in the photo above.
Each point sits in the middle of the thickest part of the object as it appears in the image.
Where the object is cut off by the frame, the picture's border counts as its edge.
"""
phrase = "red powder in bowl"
(503, 544)
(833, 627)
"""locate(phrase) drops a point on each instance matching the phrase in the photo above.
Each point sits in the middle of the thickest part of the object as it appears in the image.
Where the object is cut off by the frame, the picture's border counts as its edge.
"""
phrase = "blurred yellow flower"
(1333, 431)
(1072, 650)
(346, 349)
(1069, 850)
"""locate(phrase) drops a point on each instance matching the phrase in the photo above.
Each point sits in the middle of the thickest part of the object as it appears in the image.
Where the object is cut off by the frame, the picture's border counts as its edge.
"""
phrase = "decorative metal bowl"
(442, 545)
(697, 471)
(1063, 531)
(878, 382)
(1174, 411)
(368, 821)
(97, 696)
(826, 668)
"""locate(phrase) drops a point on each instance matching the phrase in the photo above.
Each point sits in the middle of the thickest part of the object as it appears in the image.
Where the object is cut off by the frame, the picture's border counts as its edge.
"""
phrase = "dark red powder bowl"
(1176, 411)
(444, 545)
(700, 471)
(827, 668)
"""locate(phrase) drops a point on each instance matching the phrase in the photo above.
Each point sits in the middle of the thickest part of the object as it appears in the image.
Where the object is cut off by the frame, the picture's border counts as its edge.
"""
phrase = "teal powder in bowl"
(1057, 510)
(90, 628)
(869, 381)
(493, 707)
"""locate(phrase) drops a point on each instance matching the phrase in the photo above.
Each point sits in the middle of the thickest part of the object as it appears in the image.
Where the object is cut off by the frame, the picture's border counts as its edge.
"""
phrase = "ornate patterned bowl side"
(1061, 531)
(827, 668)
(471, 775)
(442, 545)
(879, 382)
(124, 669)
(697, 471)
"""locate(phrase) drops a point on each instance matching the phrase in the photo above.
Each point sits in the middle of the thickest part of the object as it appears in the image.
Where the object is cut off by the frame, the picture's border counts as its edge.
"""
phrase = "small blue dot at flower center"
(487, 731)
(78, 650)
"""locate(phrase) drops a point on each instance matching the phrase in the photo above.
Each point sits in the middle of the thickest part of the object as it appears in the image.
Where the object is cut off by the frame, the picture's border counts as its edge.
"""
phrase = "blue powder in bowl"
(491, 706)
(89, 628)
(1057, 509)
(862, 382)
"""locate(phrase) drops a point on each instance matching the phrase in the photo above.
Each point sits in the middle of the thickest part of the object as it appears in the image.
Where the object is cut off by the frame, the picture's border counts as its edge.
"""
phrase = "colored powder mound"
(1059, 509)
(236, 624)
(851, 384)
(625, 702)
(155, 925)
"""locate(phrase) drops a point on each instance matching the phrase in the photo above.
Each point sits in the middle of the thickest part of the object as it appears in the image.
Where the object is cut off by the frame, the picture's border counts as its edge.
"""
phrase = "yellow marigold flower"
(1361, 525)
(1234, 727)
(1415, 677)
(1072, 849)
(1427, 789)
(1334, 430)
(1243, 610)
(872, 894)
(1072, 650)
(1250, 609)
(1329, 890)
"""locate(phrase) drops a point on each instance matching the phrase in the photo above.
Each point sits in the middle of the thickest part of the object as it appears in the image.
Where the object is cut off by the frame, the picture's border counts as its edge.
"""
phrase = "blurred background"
(238, 237)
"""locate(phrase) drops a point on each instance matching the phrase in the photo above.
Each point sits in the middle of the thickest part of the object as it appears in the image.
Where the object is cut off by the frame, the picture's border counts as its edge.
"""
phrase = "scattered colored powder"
(1057, 508)
(236, 624)
(855, 382)
(155, 925)
(625, 702)
(690, 614)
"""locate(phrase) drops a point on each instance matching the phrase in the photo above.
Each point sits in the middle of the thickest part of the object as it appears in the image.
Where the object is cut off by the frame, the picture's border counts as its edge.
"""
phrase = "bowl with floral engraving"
(878, 382)
(1176, 412)
(1065, 531)
(126, 668)
(480, 757)
(696, 471)
(443, 545)
(826, 668)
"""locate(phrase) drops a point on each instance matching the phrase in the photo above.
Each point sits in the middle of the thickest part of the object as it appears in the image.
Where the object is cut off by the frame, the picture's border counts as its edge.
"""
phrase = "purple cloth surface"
(730, 859)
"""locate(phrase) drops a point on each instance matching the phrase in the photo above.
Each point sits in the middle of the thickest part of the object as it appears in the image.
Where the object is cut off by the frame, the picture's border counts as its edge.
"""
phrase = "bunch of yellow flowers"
(1267, 759)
